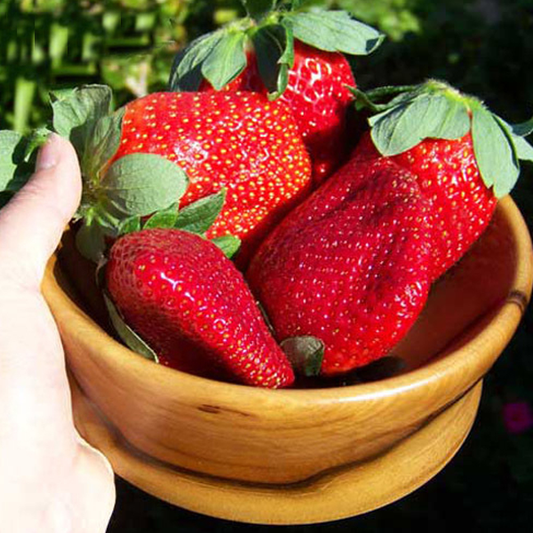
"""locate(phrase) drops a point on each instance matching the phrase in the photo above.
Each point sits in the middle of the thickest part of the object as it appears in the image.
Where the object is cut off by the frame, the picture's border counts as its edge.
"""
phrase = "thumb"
(31, 224)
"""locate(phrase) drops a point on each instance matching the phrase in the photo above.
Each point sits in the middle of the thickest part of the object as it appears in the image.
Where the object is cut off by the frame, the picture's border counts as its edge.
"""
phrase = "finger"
(31, 224)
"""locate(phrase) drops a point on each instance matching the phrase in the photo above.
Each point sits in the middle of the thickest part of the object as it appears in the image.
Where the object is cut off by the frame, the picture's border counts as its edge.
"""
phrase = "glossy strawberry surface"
(239, 141)
(448, 176)
(192, 306)
(319, 99)
(351, 266)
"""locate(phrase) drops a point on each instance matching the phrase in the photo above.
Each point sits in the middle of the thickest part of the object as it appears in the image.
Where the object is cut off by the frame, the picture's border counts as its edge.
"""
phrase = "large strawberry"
(294, 54)
(318, 95)
(182, 151)
(464, 158)
(238, 141)
(192, 307)
(350, 267)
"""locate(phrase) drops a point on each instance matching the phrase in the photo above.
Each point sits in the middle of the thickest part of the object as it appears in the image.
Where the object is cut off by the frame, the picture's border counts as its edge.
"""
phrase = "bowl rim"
(457, 362)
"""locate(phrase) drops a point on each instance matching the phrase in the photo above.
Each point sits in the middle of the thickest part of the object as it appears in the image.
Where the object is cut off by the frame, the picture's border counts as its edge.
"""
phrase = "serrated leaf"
(274, 57)
(130, 338)
(226, 60)
(166, 218)
(186, 72)
(14, 170)
(141, 184)
(90, 241)
(75, 114)
(425, 116)
(229, 244)
(200, 216)
(129, 225)
(494, 151)
(257, 9)
(305, 353)
(334, 31)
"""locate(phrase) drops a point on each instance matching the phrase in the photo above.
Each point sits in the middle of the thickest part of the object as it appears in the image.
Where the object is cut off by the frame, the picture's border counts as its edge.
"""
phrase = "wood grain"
(283, 437)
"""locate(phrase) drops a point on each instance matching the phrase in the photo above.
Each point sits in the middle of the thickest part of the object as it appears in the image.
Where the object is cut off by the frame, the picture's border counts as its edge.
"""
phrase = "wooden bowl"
(296, 456)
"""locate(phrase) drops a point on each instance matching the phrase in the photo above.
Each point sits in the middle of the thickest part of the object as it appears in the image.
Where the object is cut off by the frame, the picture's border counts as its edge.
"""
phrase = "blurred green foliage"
(480, 46)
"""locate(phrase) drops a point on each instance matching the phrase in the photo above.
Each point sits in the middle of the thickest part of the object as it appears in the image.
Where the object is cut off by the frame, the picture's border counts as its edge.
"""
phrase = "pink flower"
(517, 417)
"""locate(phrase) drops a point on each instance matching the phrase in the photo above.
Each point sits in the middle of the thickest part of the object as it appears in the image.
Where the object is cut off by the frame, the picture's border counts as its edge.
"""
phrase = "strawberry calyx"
(115, 196)
(270, 29)
(305, 354)
(402, 117)
(196, 218)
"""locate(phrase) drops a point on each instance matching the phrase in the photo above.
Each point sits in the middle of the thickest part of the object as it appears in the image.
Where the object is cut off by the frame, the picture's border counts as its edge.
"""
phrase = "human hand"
(50, 479)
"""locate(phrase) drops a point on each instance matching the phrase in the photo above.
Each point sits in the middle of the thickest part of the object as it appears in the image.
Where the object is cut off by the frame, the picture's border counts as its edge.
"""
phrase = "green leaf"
(494, 151)
(90, 241)
(141, 184)
(186, 72)
(129, 225)
(166, 218)
(130, 338)
(75, 113)
(200, 216)
(334, 31)
(305, 353)
(426, 116)
(257, 9)
(523, 150)
(229, 244)
(102, 145)
(14, 169)
(226, 60)
(274, 48)
(523, 129)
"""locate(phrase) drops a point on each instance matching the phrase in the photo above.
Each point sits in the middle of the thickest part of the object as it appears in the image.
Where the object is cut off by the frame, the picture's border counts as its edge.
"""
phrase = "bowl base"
(340, 493)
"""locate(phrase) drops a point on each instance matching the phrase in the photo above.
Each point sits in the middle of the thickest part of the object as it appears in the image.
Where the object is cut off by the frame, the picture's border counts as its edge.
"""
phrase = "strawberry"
(191, 305)
(237, 141)
(463, 156)
(350, 266)
(318, 96)
(291, 54)
(229, 163)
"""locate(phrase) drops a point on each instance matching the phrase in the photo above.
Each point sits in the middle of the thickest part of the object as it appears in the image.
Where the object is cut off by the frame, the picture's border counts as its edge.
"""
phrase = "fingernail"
(48, 156)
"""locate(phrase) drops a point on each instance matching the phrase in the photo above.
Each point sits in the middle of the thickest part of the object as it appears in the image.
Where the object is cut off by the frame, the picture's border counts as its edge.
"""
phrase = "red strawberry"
(318, 95)
(191, 305)
(463, 156)
(280, 52)
(238, 141)
(350, 266)
(462, 206)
